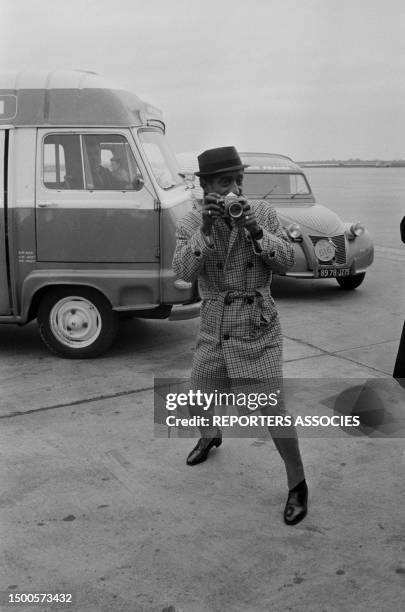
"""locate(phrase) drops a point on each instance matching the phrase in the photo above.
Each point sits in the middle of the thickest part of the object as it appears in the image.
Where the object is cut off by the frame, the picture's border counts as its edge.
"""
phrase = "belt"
(234, 294)
(229, 296)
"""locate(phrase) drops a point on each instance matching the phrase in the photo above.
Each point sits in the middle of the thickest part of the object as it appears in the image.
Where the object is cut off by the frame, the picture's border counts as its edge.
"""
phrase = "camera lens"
(235, 209)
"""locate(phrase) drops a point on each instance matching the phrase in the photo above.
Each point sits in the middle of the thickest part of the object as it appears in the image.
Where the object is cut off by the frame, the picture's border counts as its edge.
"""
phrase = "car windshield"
(273, 184)
(162, 160)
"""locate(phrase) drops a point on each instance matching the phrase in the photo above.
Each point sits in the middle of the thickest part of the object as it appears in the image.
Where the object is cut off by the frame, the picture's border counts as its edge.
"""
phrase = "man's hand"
(248, 218)
(211, 211)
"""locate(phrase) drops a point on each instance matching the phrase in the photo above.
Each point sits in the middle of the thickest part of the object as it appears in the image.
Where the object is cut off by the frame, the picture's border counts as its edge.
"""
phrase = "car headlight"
(294, 231)
(357, 229)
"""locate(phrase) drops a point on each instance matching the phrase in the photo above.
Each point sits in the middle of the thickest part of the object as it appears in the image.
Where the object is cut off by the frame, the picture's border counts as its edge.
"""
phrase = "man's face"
(225, 183)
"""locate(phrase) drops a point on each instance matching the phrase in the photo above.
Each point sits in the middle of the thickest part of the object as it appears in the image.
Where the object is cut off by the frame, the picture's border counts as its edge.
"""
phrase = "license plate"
(333, 272)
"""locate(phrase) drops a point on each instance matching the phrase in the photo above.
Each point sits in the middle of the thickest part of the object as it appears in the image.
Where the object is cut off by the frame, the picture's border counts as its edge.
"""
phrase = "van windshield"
(164, 164)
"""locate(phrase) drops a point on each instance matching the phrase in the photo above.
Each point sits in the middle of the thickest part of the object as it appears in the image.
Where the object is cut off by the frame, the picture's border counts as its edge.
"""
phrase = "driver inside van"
(102, 178)
(118, 172)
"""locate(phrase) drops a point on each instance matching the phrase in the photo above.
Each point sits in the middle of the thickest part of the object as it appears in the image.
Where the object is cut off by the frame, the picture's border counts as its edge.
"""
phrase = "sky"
(311, 79)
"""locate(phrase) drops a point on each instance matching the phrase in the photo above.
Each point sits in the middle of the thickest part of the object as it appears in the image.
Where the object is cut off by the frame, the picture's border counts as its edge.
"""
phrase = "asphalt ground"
(93, 502)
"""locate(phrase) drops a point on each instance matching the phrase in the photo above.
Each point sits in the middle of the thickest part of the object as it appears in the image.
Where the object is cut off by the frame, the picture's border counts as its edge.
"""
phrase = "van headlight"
(294, 231)
(356, 230)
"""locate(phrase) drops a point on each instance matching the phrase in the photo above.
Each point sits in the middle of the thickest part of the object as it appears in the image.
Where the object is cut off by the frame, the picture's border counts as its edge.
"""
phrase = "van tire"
(77, 323)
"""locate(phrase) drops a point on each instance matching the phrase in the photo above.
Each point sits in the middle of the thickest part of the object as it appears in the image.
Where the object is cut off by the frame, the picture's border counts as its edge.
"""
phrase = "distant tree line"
(355, 162)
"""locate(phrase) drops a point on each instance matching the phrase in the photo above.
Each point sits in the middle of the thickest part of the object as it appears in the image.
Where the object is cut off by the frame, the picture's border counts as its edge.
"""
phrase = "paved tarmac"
(93, 502)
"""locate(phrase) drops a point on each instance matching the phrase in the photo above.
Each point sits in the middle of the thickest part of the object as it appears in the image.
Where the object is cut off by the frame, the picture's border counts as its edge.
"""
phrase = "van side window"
(109, 163)
(62, 162)
(89, 161)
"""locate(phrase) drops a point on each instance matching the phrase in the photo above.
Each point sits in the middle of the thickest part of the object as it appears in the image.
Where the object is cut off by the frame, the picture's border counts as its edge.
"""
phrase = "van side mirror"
(138, 183)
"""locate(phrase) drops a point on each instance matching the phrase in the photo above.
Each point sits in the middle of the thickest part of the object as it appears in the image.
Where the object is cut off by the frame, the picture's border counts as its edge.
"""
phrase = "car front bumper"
(358, 256)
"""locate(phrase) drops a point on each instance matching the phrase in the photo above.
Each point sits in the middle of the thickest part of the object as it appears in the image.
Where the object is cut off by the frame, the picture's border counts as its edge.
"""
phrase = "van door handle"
(47, 204)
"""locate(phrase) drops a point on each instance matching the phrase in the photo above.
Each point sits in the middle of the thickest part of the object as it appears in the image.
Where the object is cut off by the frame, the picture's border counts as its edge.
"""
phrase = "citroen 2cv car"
(325, 246)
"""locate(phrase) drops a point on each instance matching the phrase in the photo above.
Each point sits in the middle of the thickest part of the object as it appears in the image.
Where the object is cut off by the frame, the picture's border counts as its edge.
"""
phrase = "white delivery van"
(90, 193)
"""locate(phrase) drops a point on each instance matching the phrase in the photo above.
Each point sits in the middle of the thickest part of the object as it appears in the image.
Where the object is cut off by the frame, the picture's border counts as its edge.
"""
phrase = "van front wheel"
(77, 323)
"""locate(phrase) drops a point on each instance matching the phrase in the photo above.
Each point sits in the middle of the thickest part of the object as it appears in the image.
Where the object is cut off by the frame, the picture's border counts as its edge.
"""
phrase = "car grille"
(339, 243)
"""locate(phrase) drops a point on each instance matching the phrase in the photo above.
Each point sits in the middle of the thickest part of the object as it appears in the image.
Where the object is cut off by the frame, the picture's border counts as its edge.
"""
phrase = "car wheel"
(351, 282)
(77, 323)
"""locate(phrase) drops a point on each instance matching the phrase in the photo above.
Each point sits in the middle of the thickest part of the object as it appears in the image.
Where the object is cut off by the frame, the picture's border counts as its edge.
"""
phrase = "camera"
(232, 207)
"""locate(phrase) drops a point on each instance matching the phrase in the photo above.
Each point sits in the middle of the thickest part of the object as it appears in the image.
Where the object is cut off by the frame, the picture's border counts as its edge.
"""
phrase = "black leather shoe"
(297, 504)
(202, 448)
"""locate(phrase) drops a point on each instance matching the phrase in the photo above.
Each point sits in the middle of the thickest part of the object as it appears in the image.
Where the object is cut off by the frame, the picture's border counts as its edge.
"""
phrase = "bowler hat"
(216, 161)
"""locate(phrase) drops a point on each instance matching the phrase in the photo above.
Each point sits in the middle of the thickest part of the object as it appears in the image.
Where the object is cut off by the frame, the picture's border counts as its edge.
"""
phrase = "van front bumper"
(185, 311)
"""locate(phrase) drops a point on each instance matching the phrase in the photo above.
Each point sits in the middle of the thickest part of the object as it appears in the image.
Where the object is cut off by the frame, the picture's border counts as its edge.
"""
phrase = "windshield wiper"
(188, 183)
(271, 191)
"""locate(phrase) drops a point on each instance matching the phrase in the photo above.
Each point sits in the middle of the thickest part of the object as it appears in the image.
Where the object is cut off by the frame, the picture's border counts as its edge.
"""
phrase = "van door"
(94, 201)
(4, 290)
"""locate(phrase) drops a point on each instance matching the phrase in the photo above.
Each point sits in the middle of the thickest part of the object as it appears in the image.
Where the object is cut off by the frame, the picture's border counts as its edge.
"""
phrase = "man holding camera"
(232, 246)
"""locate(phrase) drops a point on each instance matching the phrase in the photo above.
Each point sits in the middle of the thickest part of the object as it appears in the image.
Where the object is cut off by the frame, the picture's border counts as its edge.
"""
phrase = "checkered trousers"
(240, 334)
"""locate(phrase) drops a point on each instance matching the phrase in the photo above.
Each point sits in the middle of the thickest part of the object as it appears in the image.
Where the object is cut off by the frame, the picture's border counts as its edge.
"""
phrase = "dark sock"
(299, 487)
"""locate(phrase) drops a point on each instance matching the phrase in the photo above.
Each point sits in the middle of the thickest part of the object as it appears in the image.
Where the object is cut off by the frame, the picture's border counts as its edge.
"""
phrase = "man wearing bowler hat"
(231, 247)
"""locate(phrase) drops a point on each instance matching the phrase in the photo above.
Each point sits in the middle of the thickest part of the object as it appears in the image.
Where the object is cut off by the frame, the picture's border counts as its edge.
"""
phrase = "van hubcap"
(75, 322)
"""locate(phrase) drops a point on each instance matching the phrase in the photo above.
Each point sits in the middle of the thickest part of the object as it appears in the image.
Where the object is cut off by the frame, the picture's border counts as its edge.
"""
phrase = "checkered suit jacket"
(240, 334)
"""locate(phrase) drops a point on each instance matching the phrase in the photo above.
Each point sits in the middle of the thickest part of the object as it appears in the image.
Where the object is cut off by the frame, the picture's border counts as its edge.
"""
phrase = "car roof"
(257, 162)
(69, 98)
(269, 162)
